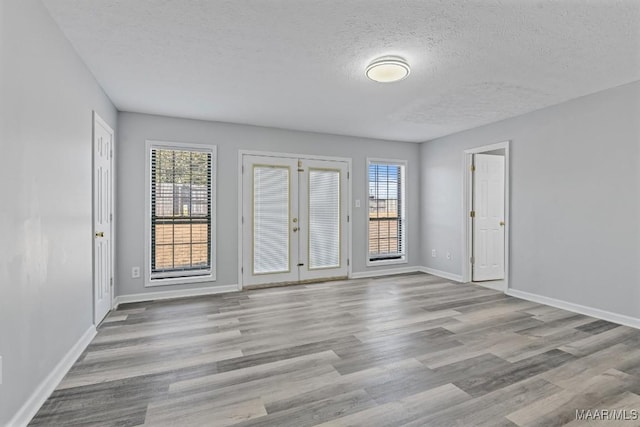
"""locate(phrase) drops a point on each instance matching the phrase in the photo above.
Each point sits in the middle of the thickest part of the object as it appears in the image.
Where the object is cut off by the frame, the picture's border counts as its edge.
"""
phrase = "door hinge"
(241, 270)
(300, 169)
(300, 264)
(243, 220)
(242, 168)
(472, 260)
(473, 168)
(348, 174)
(110, 217)
(348, 218)
(472, 214)
(348, 261)
(111, 282)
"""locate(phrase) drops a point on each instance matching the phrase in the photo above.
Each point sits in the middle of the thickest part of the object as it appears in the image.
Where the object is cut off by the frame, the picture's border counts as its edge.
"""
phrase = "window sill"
(402, 260)
(179, 280)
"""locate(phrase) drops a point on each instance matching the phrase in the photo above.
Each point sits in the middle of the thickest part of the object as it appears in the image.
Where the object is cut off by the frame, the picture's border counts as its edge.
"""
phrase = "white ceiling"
(300, 64)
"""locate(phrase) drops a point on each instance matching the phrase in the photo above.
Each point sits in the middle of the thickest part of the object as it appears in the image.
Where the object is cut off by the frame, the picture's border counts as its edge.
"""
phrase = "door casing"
(467, 203)
(242, 153)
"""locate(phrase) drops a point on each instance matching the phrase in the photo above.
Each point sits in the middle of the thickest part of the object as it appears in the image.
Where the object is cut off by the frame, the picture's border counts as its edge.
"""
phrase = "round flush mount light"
(388, 69)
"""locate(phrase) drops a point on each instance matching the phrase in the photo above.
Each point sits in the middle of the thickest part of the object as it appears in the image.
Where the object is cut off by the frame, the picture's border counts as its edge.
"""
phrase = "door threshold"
(496, 285)
(294, 283)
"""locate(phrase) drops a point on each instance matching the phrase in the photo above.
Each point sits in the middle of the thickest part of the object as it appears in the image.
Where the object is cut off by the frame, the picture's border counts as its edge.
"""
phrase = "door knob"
(501, 223)
(100, 234)
(295, 229)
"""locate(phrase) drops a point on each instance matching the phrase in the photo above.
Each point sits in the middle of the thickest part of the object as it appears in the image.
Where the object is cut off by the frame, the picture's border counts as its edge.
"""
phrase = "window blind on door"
(386, 211)
(324, 218)
(271, 194)
(181, 212)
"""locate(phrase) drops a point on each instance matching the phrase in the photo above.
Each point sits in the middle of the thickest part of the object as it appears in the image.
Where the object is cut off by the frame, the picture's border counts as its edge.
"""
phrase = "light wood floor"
(405, 350)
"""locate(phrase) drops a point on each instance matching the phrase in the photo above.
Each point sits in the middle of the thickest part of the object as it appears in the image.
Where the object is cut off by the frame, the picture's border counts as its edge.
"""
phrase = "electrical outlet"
(434, 253)
(449, 257)
(357, 203)
(135, 272)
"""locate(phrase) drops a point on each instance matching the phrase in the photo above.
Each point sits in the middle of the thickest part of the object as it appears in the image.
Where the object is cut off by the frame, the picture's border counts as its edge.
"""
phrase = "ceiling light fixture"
(388, 69)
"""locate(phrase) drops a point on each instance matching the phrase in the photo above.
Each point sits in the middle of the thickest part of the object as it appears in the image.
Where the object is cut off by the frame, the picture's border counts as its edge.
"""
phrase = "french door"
(294, 219)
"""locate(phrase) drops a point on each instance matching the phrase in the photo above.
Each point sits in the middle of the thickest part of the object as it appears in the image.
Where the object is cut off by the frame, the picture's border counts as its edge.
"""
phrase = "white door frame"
(98, 119)
(242, 153)
(467, 203)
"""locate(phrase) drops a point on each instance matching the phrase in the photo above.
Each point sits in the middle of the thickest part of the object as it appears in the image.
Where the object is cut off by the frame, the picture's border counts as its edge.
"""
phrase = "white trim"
(99, 120)
(577, 308)
(178, 293)
(443, 274)
(49, 384)
(467, 194)
(405, 256)
(208, 276)
(385, 272)
(240, 183)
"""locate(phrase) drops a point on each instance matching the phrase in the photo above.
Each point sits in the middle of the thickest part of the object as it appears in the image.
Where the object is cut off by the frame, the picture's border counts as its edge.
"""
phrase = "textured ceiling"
(300, 64)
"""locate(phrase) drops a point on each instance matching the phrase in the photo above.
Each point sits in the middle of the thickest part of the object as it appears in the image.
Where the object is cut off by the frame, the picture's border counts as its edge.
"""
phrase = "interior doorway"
(294, 219)
(486, 216)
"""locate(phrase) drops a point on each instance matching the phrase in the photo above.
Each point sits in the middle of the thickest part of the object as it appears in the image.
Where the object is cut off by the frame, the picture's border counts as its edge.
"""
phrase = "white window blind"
(386, 211)
(181, 212)
(324, 218)
(271, 195)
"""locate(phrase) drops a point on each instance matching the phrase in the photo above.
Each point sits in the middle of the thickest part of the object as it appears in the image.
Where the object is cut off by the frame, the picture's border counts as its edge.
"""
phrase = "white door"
(294, 219)
(488, 223)
(323, 219)
(270, 220)
(102, 218)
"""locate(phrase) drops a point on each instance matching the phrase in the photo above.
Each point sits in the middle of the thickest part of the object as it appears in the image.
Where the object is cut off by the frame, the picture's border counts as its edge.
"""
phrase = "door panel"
(488, 224)
(323, 214)
(294, 219)
(102, 212)
(269, 211)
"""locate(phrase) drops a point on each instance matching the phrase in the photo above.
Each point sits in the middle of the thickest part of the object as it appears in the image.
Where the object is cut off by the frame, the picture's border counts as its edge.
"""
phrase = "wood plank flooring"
(411, 350)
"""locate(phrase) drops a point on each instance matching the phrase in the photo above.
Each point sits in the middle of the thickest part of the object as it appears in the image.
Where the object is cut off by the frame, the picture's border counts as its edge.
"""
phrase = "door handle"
(100, 234)
(295, 229)
(501, 223)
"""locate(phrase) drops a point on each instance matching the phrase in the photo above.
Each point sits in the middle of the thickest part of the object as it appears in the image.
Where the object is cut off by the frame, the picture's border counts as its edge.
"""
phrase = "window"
(181, 211)
(387, 225)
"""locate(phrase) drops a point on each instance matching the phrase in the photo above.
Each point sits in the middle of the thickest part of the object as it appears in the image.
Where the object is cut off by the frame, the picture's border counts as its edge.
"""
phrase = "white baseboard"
(577, 308)
(180, 293)
(443, 274)
(49, 384)
(385, 272)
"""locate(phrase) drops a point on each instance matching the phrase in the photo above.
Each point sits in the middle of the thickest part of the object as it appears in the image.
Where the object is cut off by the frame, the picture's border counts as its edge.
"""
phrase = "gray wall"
(46, 100)
(575, 199)
(134, 129)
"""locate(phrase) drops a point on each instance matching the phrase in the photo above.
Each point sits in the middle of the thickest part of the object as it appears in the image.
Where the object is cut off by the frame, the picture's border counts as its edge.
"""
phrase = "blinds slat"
(270, 219)
(324, 219)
